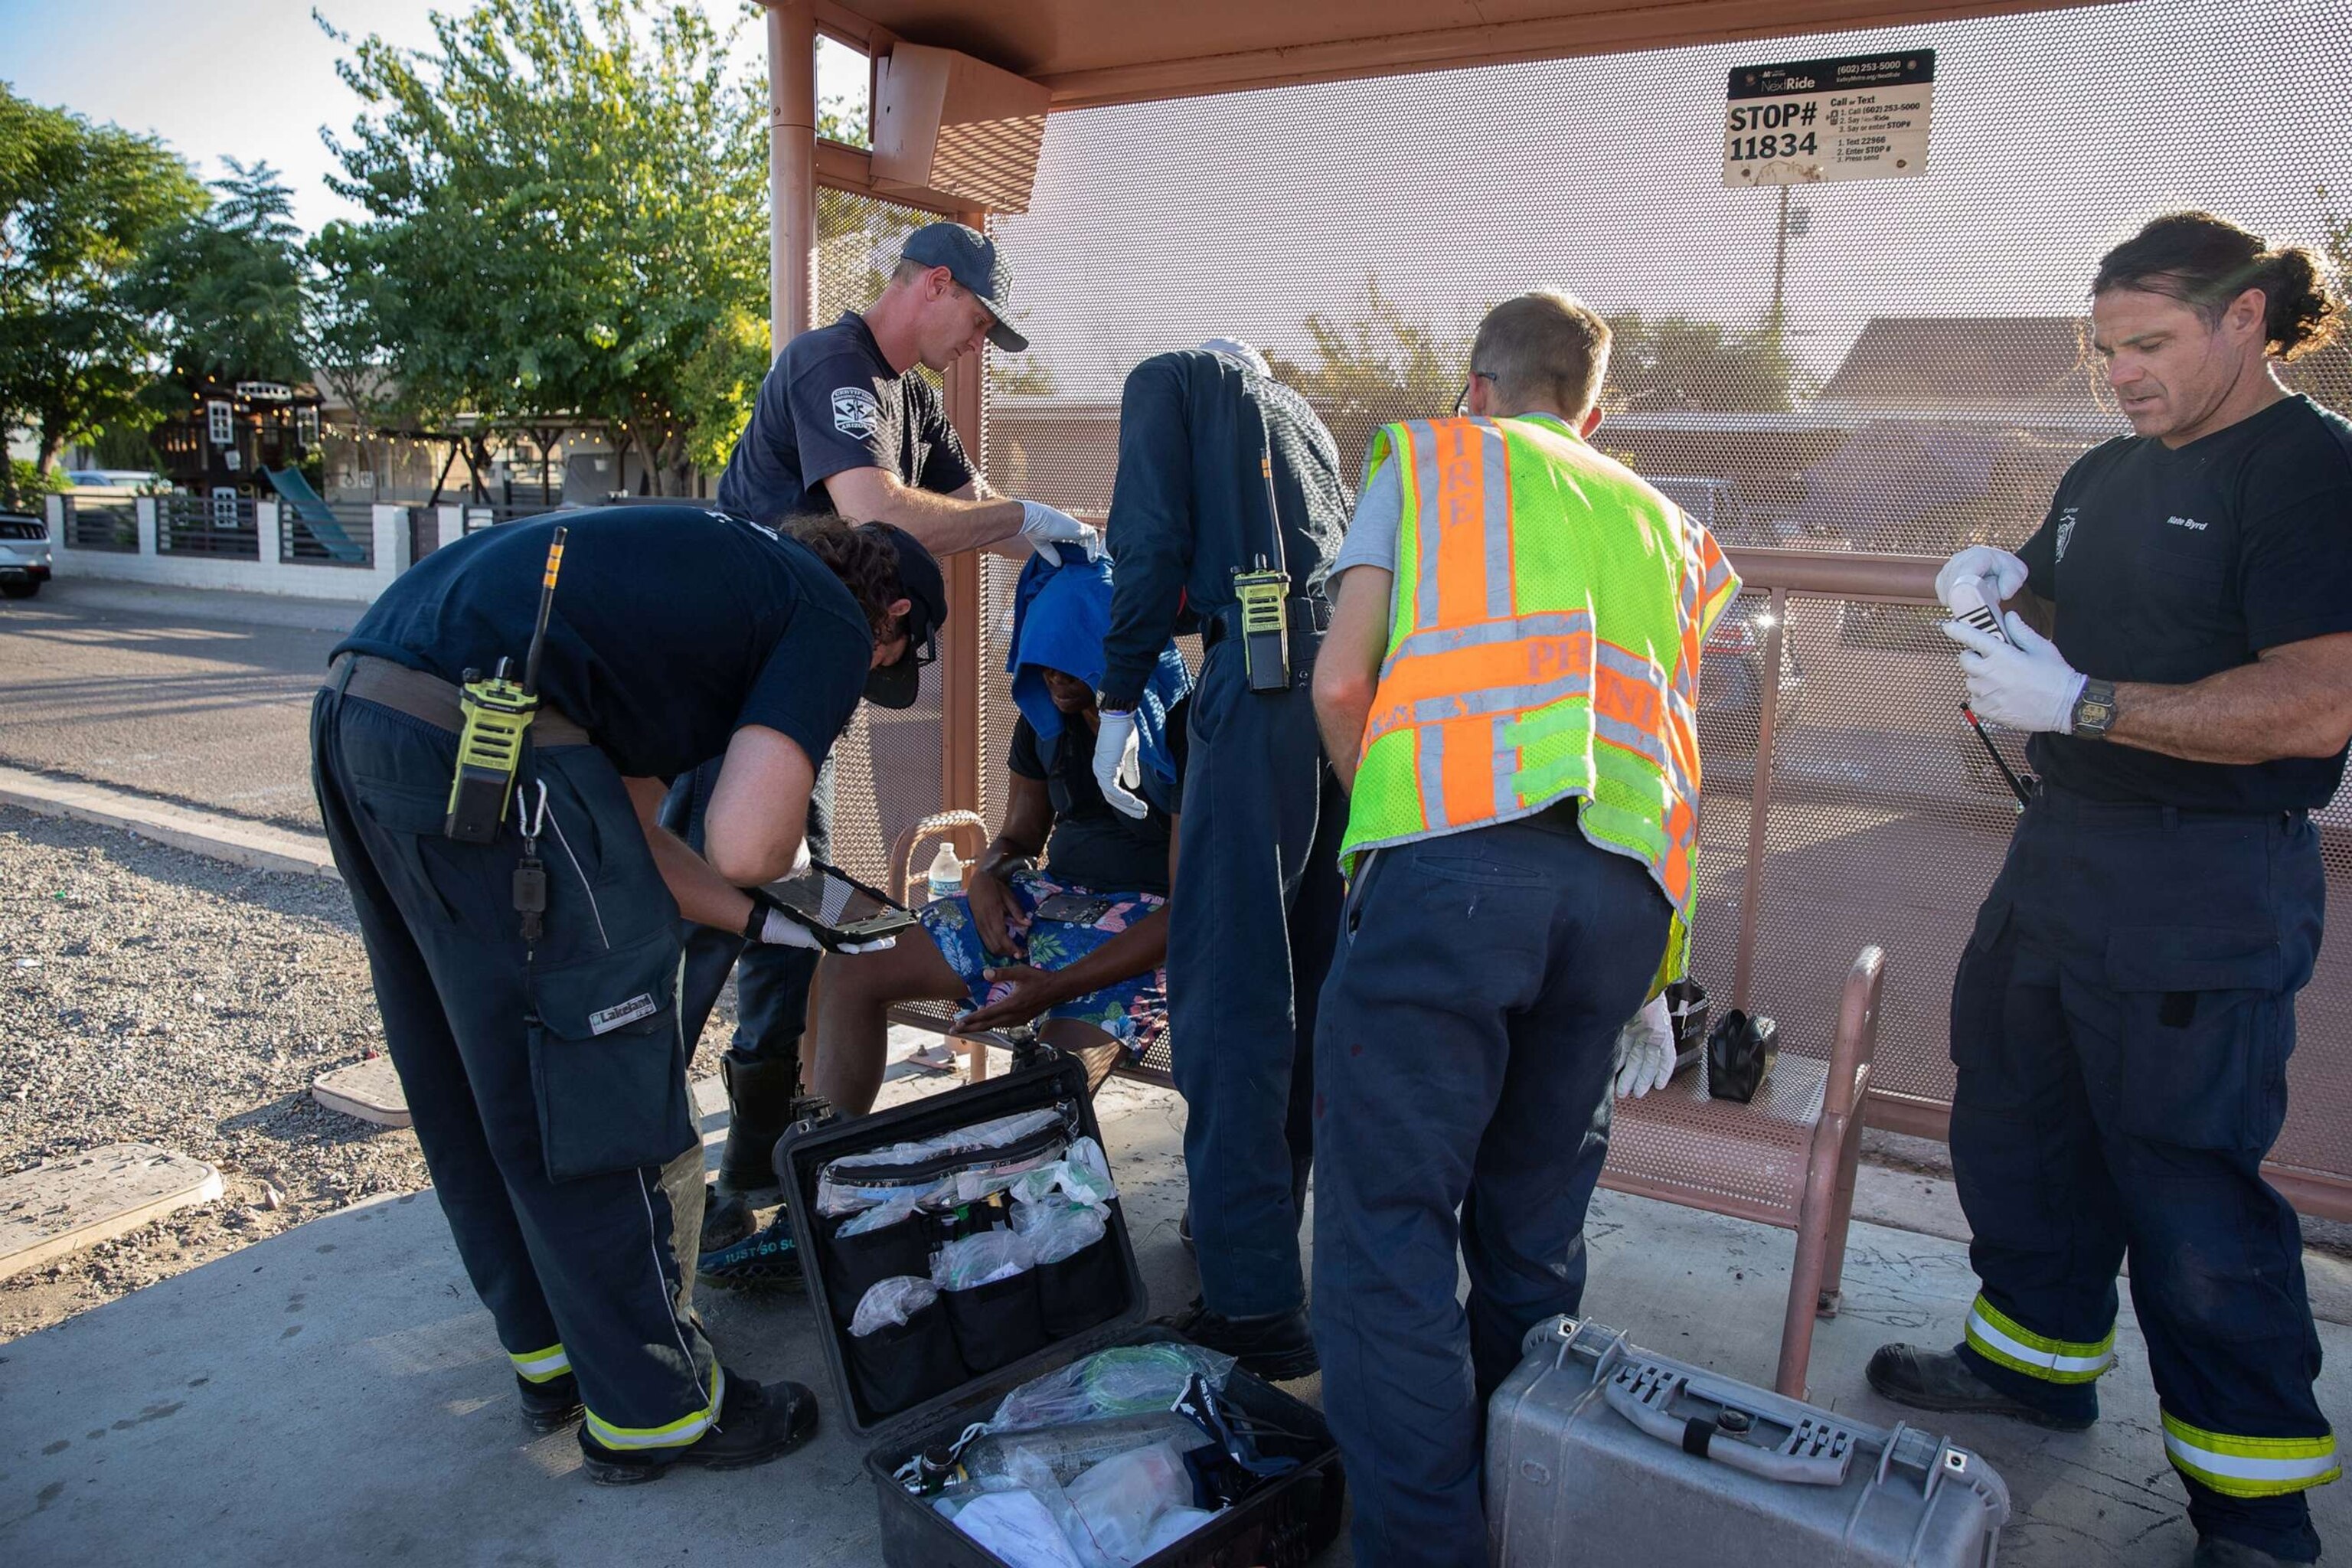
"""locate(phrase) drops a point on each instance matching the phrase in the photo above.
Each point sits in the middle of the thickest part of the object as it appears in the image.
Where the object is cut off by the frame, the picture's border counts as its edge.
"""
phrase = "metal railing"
(102, 525)
(220, 526)
(344, 534)
(1844, 803)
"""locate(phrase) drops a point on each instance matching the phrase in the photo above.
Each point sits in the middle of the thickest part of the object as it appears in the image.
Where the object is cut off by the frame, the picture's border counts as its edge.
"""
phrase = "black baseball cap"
(894, 684)
(970, 259)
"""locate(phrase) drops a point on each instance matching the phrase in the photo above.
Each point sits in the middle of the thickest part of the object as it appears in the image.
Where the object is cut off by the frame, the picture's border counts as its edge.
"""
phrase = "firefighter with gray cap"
(845, 423)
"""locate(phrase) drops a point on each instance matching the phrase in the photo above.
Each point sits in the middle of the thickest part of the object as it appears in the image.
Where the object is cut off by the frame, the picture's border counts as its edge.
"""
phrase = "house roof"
(1927, 364)
(1116, 51)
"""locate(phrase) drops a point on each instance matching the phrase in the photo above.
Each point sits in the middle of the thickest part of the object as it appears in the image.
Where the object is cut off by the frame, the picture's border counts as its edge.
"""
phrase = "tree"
(227, 289)
(566, 202)
(1675, 362)
(78, 202)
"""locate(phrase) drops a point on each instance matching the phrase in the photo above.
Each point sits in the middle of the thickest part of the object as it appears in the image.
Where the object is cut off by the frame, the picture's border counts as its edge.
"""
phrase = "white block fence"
(392, 551)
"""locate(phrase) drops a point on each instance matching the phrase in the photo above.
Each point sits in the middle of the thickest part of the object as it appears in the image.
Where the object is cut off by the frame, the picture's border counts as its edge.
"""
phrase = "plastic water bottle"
(946, 875)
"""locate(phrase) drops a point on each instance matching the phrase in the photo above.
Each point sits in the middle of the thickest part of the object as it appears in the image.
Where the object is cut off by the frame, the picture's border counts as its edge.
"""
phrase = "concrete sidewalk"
(333, 1395)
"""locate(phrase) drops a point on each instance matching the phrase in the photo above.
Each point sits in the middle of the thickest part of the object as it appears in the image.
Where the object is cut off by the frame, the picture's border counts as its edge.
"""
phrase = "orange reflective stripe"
(1452, 674)
(1462, 522)
(1468, 767)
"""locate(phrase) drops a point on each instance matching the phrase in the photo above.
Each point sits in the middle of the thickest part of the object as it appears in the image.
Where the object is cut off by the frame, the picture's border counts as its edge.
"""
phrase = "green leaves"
(226, 290)
(565, 204)
(77, 204)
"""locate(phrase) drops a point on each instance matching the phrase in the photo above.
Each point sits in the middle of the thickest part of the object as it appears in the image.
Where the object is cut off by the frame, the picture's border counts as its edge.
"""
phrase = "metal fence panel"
(1890, 366)
(342, 534)
(206, 525)
(102, 525)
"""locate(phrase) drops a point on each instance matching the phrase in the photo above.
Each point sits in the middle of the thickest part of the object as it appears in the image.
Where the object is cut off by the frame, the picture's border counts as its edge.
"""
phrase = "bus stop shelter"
(1861, 374)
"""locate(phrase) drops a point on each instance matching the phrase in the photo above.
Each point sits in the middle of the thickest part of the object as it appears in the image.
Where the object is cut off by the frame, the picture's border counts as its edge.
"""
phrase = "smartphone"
(838, 907)
(1071, 909)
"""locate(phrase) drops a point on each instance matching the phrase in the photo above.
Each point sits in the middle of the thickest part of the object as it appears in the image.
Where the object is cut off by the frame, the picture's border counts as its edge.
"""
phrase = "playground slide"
(310, 508)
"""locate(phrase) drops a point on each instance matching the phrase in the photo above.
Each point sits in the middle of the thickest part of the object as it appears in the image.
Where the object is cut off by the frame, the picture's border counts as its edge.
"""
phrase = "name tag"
(628, 1012)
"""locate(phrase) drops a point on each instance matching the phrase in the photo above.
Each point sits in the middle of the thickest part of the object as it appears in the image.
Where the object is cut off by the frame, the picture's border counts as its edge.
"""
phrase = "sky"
(250, 79)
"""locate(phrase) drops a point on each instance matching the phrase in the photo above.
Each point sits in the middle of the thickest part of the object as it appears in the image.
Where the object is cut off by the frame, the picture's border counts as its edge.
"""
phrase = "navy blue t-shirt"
(831, 402)
(2171, 564)
(1093, 845)
(674, 626)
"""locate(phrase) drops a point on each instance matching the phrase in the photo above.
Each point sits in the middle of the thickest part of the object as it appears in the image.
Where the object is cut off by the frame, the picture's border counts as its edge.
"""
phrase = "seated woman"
(1076, 944)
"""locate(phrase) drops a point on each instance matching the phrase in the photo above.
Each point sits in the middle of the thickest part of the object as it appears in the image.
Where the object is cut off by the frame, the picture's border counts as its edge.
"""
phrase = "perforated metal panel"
(1887, 367)
(886, 764)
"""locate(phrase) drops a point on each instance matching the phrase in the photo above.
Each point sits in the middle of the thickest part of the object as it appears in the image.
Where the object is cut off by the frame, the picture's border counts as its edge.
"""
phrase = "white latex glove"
(2028, 686)
(2003, 574)
(780, 929)
(1645, 1051)
(1118, 763)
(1046, 530)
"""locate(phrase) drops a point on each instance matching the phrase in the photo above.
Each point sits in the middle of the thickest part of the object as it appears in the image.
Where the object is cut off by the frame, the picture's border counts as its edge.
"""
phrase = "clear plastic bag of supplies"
(982, 1260)
(1126, 1379)
(1058, 1228)
(1083, 1175)
(959, 1167)
(1174, 1526)
(1122, 1499)
(890, 1302)
(878, 1217)
(1016, 1526)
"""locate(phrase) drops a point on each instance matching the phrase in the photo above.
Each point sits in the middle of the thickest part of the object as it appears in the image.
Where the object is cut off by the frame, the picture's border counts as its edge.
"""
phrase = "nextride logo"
(2186, 523)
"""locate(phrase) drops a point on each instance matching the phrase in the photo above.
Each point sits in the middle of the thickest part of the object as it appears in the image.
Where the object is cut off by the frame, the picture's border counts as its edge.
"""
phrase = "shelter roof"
(1116, 51)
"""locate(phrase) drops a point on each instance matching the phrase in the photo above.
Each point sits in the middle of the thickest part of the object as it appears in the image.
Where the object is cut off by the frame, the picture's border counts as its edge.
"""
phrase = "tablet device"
(841, 909)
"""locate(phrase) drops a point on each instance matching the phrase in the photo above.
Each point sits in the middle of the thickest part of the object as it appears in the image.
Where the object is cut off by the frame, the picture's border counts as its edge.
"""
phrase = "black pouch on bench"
(902, 1364)
(997, 1324)
(607, 1062)
(853, 1264)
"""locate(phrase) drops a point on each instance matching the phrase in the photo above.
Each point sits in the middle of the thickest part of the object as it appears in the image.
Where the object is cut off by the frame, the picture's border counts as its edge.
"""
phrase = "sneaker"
(1278, 1347)
(755, 1425)
(1943, 1380)
(2212, 1551)
(549, 1407)
(767, 1259)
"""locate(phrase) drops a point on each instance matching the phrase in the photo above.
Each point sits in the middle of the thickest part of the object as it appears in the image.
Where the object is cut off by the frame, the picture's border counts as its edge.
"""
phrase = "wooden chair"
(1787, 1160)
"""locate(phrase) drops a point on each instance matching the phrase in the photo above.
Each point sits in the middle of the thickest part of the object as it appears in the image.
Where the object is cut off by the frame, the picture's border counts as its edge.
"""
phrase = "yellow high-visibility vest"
(1544, 638)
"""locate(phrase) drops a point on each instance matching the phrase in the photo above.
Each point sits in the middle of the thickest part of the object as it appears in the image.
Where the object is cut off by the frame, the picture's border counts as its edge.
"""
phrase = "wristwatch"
(2095, 710)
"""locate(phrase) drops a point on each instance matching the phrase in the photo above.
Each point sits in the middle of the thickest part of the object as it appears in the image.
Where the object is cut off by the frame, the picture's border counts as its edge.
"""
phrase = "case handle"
(1815, 1454)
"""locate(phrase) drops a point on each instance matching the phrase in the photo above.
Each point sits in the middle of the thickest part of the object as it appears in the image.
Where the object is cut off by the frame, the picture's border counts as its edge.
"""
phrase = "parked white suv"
(24, 555)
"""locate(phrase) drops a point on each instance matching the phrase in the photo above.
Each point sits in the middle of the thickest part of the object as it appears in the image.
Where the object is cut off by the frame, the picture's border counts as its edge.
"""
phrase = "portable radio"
(1263, 594)
(497, 717)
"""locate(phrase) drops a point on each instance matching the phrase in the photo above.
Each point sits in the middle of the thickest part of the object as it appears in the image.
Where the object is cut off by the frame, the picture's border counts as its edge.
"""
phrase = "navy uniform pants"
(1251, 923)
(2121, 1022)
(1468, 1032)
(772, 984)
(547, 1085)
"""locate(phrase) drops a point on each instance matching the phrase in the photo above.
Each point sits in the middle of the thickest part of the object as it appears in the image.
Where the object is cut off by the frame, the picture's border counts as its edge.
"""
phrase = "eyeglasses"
(1462, 404)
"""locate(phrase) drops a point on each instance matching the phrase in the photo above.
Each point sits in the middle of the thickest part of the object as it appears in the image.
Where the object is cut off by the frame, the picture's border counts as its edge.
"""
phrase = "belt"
(2065, 806)
(1308, 617)
(432, 699)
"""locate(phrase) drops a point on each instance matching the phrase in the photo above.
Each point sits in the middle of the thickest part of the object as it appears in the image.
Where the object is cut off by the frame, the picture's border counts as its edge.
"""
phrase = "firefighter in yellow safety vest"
(1508, 688)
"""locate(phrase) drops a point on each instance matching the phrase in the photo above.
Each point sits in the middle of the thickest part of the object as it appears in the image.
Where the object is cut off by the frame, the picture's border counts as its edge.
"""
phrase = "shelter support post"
(791, 167)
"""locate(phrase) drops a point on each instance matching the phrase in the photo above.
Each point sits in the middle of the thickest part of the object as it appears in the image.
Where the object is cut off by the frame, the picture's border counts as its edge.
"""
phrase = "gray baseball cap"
(970, 259)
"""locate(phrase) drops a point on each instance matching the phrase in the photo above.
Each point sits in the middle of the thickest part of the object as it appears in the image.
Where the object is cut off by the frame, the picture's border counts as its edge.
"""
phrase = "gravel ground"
(154, 995)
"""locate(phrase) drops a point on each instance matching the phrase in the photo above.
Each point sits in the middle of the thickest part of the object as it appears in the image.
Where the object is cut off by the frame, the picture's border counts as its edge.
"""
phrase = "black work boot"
(755, 1425)
(760, 1095)
(1278, 1347)
(1943, 1380)
(549, 1407)
(2212, 1551)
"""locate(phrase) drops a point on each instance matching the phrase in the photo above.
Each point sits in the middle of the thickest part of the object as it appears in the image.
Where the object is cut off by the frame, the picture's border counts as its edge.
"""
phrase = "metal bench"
(1787, 1160)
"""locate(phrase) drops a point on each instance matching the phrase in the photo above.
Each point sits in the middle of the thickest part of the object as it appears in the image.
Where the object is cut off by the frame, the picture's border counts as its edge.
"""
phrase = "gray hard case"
(1601, 1453)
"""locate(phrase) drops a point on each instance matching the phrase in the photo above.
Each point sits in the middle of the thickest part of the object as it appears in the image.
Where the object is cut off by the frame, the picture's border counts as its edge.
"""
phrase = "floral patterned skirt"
(1134, 1011)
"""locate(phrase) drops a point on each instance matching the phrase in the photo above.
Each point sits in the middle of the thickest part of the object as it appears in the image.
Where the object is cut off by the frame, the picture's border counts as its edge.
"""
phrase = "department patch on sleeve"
(855, 412)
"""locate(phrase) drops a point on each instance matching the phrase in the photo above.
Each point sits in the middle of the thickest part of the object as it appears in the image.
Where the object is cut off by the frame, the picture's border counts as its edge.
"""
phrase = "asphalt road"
(164, 693)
